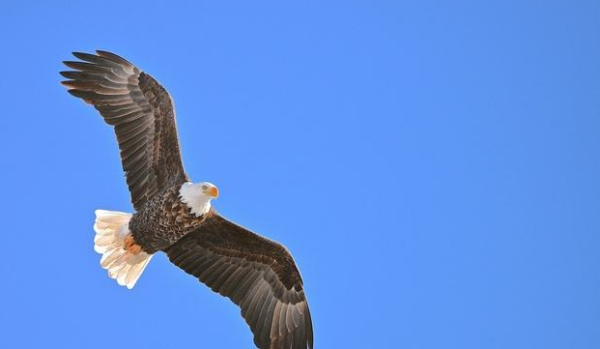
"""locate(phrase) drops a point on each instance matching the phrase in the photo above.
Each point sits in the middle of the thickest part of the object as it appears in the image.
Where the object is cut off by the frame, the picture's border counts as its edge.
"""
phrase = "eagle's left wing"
(257, 274)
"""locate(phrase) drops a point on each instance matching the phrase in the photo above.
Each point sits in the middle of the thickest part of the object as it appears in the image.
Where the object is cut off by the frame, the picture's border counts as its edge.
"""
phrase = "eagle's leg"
(131, 246)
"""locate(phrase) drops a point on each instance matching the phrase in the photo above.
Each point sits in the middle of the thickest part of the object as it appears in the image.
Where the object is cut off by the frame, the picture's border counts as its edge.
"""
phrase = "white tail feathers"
(111, 229)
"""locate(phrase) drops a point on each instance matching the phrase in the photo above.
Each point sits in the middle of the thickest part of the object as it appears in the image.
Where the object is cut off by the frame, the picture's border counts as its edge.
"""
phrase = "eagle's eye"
(204, 187)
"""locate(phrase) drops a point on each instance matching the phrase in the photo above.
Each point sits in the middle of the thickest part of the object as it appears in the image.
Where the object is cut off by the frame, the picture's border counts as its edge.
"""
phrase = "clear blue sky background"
(434, 167)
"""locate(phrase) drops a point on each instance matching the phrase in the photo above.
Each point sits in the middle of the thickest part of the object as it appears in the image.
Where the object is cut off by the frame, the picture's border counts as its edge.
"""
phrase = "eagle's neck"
(191, 194)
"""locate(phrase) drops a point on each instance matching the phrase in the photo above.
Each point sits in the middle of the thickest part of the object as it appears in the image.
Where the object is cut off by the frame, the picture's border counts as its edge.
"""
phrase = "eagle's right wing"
(142, 113)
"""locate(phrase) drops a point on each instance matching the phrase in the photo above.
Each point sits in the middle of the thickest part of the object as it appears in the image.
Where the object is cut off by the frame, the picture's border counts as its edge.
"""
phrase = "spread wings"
(143, 116)
(257, 274)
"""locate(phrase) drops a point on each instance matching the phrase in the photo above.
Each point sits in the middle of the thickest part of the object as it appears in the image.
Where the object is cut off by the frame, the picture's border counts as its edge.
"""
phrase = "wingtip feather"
(113, 57)
(67, 83)
(81, 55)
(80, 94)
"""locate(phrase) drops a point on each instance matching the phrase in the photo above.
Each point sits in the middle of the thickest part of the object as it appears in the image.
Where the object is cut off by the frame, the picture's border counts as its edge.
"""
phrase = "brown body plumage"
(163, 220)
(257, 274)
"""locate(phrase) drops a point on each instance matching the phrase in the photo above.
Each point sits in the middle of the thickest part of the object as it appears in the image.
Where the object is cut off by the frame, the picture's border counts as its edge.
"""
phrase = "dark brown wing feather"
(257, 274)
(142, 113)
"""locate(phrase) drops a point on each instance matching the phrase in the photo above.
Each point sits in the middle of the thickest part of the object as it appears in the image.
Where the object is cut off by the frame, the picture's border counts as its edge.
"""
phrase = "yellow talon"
(135, 249)
(130, 245)
(128, 242)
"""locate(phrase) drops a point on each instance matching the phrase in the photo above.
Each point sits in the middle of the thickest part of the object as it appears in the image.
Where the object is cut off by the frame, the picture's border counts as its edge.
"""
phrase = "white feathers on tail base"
(111, 229)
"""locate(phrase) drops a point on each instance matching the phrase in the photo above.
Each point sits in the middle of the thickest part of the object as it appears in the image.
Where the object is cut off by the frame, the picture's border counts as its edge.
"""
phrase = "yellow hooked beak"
(213, 191)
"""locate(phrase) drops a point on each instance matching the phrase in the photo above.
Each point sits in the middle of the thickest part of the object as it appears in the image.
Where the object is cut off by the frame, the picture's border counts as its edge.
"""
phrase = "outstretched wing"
(257, 274)
(143, 116)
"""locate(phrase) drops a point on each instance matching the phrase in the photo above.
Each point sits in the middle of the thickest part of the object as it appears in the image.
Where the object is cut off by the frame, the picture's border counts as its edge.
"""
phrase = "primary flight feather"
(176, 216)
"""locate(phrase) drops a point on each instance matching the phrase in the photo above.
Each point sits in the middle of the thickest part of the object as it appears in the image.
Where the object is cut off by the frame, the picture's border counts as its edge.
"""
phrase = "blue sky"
(434, 167)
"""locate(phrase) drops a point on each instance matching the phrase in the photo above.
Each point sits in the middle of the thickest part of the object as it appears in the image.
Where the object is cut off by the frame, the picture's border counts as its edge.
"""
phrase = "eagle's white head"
(197, 196)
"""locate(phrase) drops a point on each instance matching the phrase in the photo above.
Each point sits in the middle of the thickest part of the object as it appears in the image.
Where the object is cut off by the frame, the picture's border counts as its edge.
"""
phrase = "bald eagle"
(176, 216)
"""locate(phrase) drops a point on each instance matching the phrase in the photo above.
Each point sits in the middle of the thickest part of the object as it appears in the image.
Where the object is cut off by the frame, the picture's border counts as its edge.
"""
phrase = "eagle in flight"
(175, 216)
